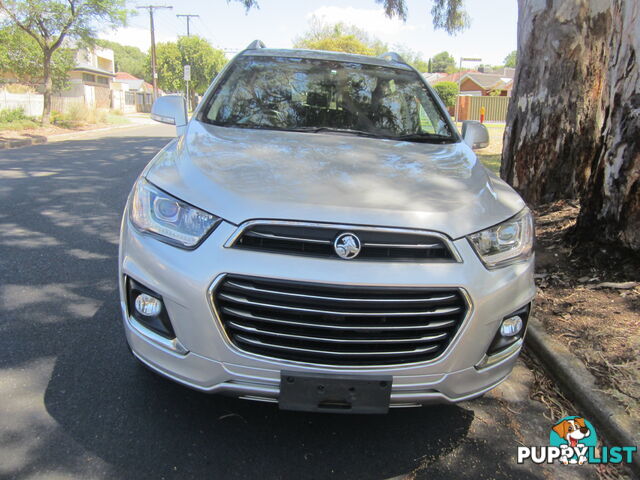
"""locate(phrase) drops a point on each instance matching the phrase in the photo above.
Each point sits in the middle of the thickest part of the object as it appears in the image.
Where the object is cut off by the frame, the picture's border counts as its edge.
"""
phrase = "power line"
(188, 17)
(154, 74)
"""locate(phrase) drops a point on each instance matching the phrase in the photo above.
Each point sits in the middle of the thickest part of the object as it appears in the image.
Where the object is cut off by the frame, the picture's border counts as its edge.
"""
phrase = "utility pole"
(154, 74)
(188, 17)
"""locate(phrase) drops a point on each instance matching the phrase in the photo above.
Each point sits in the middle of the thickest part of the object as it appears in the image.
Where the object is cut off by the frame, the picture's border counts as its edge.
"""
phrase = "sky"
(277, 23)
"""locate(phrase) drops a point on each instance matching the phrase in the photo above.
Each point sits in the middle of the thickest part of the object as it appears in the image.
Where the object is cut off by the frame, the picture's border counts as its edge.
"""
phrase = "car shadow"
(139, 422)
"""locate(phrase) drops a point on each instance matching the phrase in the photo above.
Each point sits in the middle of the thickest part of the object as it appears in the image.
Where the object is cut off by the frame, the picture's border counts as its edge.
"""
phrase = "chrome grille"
(338, 325)
(316, 240)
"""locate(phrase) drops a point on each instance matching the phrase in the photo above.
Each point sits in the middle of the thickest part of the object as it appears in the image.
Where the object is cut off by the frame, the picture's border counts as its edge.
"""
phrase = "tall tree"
(21, 57)
(205, 62)
(128, 59)
(442, 62)
(612, 201)
(553, 126)
(50, 22)
(511, 59)
(339, 37)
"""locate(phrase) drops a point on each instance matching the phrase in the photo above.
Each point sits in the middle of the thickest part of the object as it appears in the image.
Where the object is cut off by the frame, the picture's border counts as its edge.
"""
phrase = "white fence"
(32, 103)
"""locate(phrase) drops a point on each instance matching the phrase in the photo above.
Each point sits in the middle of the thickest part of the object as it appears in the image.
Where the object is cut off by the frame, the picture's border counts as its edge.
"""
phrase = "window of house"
(87, 77)
(129, 98)
(103, 80)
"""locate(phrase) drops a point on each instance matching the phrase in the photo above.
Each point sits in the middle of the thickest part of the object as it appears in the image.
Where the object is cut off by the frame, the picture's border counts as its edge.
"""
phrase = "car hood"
(242, 174)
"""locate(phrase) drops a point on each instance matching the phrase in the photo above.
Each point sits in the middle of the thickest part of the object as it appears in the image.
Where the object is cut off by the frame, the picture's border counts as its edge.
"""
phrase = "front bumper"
(203, 359)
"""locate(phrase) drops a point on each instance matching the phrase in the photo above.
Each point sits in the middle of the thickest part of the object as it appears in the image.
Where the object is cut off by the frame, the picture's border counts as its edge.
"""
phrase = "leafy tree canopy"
(339, 37)
(448, 92)
(50, 22)
(128, 59)
(511, 59)
(442, 62)
(205, 62)
(21, 56)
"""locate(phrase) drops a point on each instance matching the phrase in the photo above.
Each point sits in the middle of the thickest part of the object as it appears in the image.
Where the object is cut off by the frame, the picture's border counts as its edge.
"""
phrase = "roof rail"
(393, 56)
(255, 45)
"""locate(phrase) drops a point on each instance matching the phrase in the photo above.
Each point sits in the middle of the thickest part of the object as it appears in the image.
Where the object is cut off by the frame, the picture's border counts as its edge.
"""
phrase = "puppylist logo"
(572, 441)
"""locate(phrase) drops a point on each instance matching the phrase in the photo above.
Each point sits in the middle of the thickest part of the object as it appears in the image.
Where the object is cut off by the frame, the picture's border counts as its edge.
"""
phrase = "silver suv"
(320, 235)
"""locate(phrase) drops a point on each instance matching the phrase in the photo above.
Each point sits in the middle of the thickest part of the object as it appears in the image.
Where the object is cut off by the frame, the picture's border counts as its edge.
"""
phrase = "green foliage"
(50, 21)
(205, 62)
(448, 15)
(448, 92)
(21, 56)
(412, 58)
(442, 62)
(339, 37)
(15, 119)
(8, 115)
(511, 60)
(129, 59)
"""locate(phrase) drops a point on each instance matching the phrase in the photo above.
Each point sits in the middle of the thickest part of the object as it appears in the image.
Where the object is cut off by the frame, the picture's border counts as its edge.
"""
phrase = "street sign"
(187, 72)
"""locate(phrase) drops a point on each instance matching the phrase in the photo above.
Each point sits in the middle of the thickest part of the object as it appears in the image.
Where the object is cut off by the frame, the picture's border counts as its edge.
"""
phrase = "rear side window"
(293, 93)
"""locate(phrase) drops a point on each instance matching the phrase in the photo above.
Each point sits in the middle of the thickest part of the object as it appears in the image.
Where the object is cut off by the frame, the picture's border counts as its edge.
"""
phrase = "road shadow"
(99, 414)
(146, 426)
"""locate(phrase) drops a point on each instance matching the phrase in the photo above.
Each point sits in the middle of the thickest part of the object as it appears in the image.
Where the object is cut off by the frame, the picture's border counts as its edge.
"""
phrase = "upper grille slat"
(316, 240)
(249, 288)
(348, 325)
(426, 313)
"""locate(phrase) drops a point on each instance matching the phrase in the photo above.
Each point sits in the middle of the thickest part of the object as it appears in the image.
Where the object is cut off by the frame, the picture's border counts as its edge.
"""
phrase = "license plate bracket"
(313, 392)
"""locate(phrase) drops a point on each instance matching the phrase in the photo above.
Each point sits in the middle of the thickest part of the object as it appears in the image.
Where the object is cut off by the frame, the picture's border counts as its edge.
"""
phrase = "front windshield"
(306, 94)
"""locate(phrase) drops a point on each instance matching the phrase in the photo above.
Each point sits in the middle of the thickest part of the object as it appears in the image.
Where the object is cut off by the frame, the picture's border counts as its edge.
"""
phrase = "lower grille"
(338, 325)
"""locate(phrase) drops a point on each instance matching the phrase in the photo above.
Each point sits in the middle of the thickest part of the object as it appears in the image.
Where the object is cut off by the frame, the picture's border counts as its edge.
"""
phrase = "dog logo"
(347, 246)
(573, 441)
(577, 434)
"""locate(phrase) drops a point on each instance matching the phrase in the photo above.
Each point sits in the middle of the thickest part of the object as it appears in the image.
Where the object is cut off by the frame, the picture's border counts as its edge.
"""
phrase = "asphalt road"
(73, 403)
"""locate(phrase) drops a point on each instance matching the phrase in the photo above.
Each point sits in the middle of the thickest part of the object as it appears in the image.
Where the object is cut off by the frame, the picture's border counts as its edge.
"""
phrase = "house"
(473, 82)
(131, 94)
(485, 84)
(91, 77)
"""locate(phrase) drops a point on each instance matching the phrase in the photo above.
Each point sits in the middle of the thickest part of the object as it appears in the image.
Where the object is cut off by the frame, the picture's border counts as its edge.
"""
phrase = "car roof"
(324, 55)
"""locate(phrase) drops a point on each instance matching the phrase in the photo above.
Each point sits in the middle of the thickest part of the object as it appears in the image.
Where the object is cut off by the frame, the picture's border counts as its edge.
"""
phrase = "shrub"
(78, 115)
(448, 91)
(9, 115)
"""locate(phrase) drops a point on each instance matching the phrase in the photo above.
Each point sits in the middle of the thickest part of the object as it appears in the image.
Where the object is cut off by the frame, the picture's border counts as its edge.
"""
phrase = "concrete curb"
(580, 386)
(23, 142)
(39, 140)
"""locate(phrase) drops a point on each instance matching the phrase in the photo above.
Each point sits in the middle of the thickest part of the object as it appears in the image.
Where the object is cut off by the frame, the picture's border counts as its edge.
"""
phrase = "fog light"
(510, 326)
(147, 305)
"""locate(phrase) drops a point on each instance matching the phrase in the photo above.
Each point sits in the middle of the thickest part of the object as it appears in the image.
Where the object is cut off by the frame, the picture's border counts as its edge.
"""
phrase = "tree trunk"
(554, 117)
(48, 87)
(611, 206)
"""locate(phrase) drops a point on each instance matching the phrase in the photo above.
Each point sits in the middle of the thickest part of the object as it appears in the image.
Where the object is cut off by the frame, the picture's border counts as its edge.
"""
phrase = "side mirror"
(171, 109)
(475, 134)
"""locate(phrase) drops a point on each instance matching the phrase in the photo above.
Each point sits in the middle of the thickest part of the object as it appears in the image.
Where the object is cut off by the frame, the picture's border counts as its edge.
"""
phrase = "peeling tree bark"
(611, 206)
(555, 113)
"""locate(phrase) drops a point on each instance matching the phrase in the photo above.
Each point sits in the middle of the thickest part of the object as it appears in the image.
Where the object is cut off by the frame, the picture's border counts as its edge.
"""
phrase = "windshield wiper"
(425, 138)
(351, 131)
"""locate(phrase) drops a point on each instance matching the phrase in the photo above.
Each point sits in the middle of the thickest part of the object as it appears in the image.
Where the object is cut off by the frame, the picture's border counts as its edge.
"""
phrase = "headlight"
(174, 221)
(506, 243)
